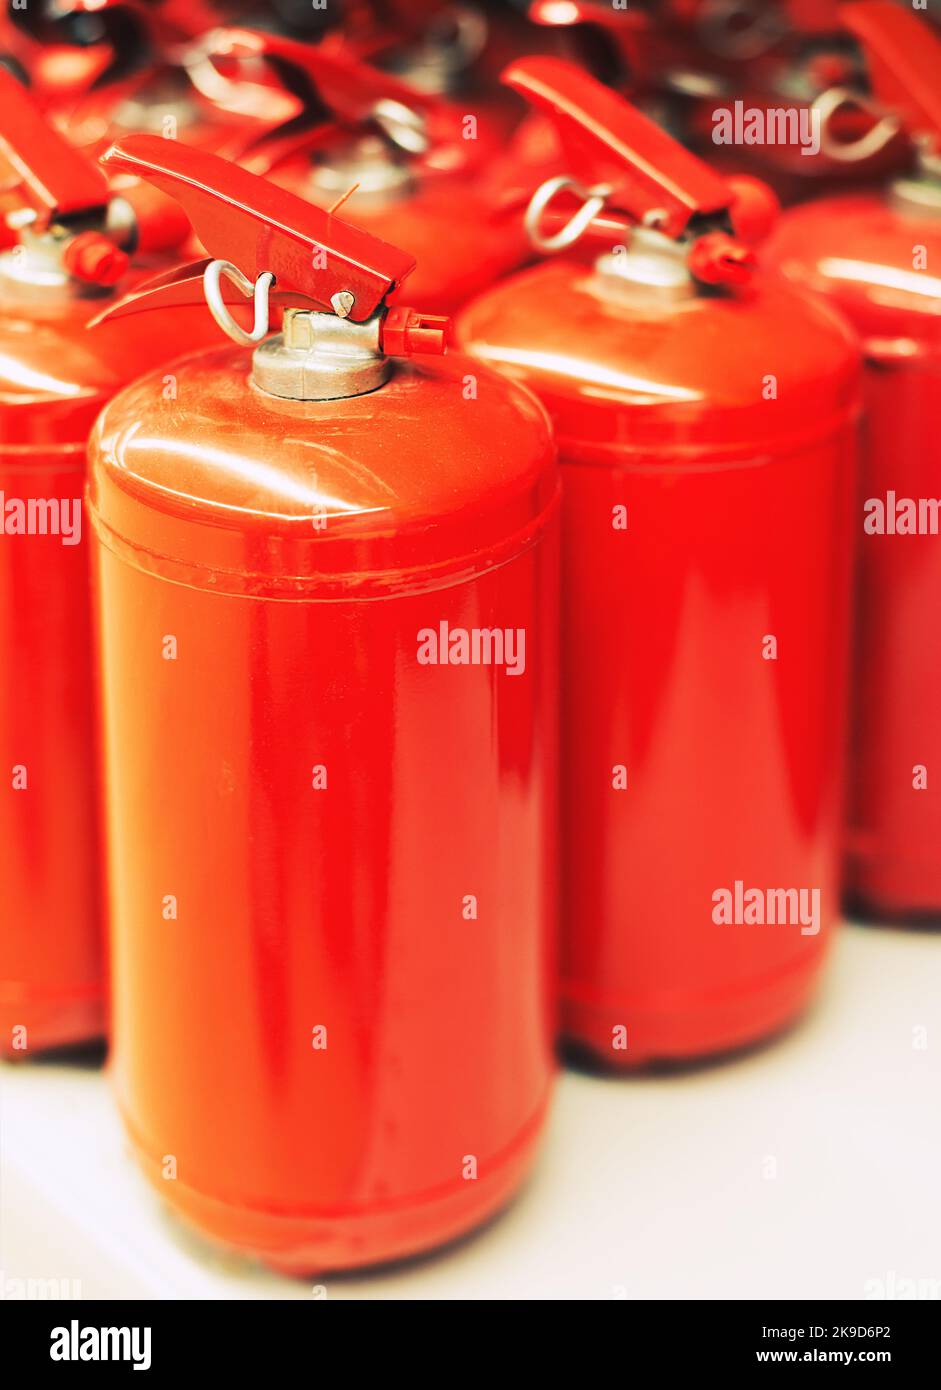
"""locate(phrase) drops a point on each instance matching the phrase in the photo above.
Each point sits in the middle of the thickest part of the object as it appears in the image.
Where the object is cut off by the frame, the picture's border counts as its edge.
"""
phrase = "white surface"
(654, 1187)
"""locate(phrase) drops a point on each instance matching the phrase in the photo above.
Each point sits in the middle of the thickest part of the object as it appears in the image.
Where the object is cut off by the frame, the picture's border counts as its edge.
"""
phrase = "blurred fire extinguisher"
(328, 602)
(410, 165)
(700, 69)
(73, 243)
(705, 417)
(877, 257)
(99, 67)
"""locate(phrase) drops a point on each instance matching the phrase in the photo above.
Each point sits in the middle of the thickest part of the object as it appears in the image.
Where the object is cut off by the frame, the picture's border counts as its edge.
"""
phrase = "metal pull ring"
(407, 129)
(594, 201)
(212, 287)
(853, 151)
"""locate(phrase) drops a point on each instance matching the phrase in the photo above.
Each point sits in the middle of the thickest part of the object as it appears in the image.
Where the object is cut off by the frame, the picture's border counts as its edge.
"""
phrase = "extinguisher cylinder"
(329, 672)
(707, 442)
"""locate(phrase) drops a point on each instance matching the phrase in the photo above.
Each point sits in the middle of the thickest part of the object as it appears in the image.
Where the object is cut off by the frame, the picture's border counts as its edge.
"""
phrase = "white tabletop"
(810, 1168)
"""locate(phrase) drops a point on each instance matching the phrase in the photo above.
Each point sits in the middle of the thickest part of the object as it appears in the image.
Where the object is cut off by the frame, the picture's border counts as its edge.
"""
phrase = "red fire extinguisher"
(704, 416)
(74, 242)
(787, 125)
(741, 85)
(409, 165)
(328, 604)
(877, 257)
(101, 67)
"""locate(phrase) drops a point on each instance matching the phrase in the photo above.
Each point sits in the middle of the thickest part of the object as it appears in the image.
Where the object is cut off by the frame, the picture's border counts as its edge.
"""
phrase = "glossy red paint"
(54, 378)
(708, 449)
(861, 252)
(349, 1061)
(876, 257)
(55, 375)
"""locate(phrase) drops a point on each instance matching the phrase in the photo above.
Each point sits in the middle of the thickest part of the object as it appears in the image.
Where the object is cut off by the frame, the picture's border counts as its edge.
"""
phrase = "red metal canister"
(877, 257)
(328, 604)
(411, 166)
(705, 421)
(72, 245)
(751, 87)
(103, 67)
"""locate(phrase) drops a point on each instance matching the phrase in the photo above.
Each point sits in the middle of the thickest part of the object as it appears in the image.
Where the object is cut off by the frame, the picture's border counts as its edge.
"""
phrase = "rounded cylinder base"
(692, 1028)
(314, 1242)
(41, 1022)
(894, 891)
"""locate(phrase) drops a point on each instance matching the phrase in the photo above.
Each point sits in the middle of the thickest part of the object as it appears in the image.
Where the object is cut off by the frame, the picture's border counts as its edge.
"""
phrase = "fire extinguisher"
(101, 67)
(411, 166)
(705, 422)
(788, 129)
(739, 84)
(75, 244)
(876, 256)
(328, 603)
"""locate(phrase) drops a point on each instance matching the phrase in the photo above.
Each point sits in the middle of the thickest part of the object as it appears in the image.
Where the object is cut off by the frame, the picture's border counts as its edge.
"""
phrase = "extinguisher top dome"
(71, 239)
(111, 65)
(877, 254)
(69, 232)
(672, 318)
(329, 503)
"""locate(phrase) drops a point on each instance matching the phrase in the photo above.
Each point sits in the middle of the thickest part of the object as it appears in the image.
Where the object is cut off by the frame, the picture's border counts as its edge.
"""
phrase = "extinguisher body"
(874, 257)
(54, 379)
(52, 970)
(332, 847)
(707, 467)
